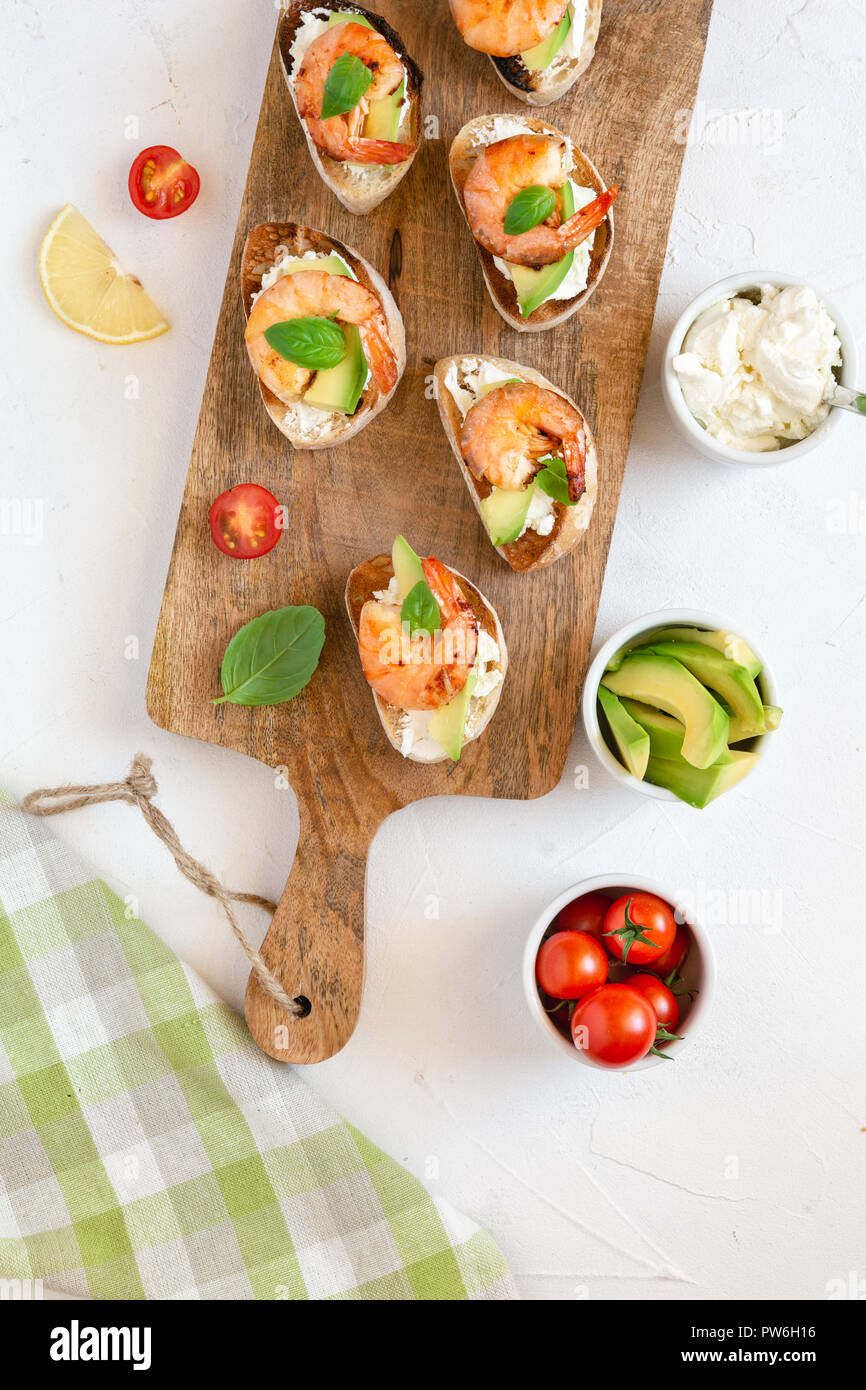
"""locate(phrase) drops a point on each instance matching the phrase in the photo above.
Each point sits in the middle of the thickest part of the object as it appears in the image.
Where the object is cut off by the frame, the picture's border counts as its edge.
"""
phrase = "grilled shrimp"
(340, 136)
(507, 433)
(499, 173)
(505, 27)
(314, 293)
(424, 670)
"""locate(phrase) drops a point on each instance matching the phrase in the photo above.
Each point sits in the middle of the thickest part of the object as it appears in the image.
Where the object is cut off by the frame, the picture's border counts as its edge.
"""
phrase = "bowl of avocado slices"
(679, 706)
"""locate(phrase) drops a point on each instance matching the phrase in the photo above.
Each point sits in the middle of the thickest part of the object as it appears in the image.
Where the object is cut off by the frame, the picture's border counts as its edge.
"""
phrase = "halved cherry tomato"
(638, 928)
(161, 183)
(245, 521)
(614, 1026)
(584, 914)
(570, 963)
(665, 1006)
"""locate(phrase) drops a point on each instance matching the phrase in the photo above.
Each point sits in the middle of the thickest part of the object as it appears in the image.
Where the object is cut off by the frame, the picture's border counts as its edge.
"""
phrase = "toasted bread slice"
(551, 83)
(485, 130)
(374, 575)
(532, 551)
(359, 188)
(264, 246)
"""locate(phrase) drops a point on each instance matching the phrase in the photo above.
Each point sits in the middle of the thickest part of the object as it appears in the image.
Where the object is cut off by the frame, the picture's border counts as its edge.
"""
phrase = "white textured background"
(736, 1172)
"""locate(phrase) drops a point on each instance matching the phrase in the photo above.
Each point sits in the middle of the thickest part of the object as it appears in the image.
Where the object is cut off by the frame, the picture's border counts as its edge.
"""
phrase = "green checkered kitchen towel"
(149, 1150)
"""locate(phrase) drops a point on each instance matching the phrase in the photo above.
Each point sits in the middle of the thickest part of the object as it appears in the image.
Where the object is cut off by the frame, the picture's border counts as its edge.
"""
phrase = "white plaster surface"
(738, 1170)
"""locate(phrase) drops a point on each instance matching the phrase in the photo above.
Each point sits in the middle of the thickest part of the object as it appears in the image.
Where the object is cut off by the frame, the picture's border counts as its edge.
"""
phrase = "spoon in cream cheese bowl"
(844, 398)
(753, 366)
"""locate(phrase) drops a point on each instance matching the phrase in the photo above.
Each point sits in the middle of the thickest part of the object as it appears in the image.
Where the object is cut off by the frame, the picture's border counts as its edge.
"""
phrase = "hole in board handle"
(304, 1005)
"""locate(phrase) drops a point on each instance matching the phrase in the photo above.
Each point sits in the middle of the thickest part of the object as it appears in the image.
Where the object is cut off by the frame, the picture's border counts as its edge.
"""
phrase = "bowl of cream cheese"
(748, 365)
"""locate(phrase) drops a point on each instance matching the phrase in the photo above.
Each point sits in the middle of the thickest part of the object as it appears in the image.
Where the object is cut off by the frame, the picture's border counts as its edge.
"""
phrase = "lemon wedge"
(86, 287)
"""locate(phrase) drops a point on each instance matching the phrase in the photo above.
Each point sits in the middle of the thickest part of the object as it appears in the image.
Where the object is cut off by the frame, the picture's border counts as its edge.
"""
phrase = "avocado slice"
(504, 513)
(739, 766)
(695, 786)
(728, 643)
(664, 682)
(343, 16)
(448, 724)
(732, 682)
(543, 54)
(772, 720)
(533, 287)
(665, 733)
(489, 386)
(383, 117)
(632, 742)
(408, 570)
(332, 265)
(341, 388)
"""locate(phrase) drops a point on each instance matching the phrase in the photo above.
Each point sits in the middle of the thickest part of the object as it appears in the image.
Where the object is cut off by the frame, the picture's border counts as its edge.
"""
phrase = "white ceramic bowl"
(693, 432)
(699, 971)
(644, 628)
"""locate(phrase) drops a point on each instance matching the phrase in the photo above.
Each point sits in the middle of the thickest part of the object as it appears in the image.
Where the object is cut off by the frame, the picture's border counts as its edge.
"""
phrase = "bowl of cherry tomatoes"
(614, 975)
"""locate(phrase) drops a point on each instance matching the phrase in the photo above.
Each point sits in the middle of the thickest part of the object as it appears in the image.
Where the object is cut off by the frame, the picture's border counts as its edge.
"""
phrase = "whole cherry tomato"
(162, 184)
(664, 1004)
(614, 1026)
(569, 964)
(638, 928)
(673, 957)
(584, 914)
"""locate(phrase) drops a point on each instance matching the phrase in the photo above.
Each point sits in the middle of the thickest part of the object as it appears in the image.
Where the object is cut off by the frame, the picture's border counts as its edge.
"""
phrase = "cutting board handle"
(315, 947)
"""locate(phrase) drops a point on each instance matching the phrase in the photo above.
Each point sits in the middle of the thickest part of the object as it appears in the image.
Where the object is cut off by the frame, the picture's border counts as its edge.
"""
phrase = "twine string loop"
(139, 789)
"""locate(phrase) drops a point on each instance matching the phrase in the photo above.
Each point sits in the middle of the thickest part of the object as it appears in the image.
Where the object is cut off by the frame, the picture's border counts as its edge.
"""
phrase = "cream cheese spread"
(574, 38)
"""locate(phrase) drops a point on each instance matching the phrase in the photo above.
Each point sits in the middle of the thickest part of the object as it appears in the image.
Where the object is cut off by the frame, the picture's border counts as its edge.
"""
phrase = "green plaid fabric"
(149, 1150)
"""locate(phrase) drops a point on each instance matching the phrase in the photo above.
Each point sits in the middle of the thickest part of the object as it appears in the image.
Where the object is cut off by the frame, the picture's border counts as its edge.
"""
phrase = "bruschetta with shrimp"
(539, 213)
(323, 334)
(357, 94)
(432, 650)
(539, 48)
(526, 453)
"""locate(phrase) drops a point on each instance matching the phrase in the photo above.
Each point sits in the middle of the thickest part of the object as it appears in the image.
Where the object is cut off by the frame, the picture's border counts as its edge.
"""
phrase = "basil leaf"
(553, 480)
(528, 208)
(345, 84)
(555, 463)
(312, 342)
(272, 658)
(860, 402)
(420, 609)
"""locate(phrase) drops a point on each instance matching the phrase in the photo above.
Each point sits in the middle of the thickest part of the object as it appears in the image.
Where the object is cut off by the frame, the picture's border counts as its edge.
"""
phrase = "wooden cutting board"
(399, 475)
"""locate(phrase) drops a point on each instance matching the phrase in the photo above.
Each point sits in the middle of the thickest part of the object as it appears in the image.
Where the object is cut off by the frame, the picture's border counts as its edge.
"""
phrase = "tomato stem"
(630, 933)
(662, 1035)
(571, 1003)
(675, 979)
